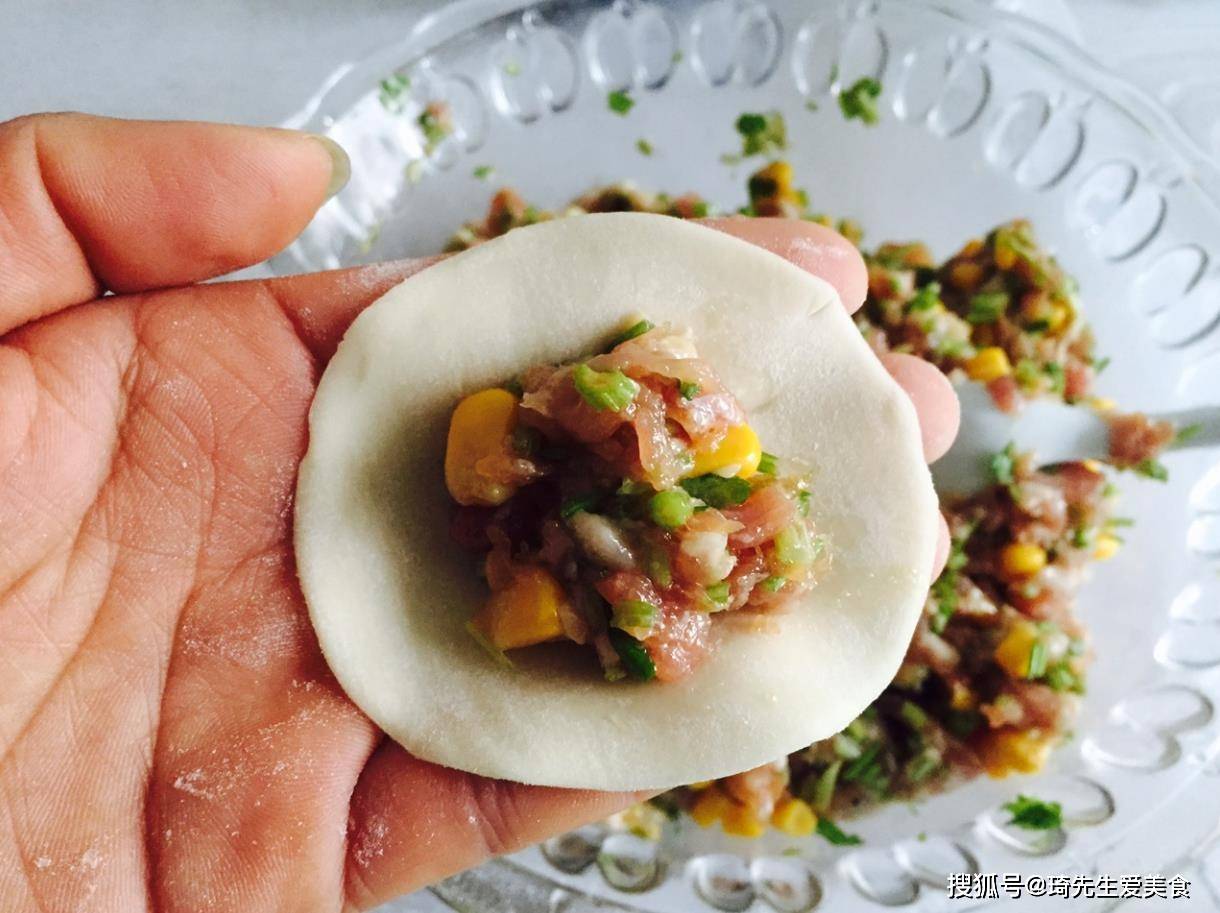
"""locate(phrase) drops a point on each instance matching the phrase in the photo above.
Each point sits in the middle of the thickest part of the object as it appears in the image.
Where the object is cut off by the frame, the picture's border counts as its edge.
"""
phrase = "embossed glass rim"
(351, 80)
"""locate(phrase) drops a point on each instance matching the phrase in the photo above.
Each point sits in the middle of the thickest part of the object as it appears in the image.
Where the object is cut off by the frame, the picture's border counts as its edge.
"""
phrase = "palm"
(170, 737)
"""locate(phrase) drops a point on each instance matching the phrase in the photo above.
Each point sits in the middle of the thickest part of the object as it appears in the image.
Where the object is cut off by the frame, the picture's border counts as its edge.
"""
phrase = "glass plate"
(985, 117)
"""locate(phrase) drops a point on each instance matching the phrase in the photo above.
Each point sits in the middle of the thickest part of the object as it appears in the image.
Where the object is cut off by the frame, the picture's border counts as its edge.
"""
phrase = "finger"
(91, 203)
(813, 247)
(412, 823)
(323, 305)
(939, 411)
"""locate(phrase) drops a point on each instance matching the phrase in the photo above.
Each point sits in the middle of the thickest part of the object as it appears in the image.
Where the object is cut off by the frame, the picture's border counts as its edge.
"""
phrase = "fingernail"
(340, 164)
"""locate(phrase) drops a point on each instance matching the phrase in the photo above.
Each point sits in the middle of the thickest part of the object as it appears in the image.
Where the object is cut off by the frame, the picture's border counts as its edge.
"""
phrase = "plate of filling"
(1032, 226)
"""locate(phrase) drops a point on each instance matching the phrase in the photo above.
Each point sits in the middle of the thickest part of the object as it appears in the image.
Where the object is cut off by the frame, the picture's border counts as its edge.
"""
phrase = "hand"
(171, 738)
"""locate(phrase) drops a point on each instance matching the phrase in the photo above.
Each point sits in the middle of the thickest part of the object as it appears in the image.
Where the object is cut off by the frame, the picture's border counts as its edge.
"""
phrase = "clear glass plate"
(985, 117)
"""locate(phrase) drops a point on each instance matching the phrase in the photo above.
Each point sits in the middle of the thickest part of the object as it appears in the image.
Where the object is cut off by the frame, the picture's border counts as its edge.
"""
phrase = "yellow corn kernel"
(1014, 650)
(1021, 559)
(965, 275)
(779, 172)
(524, 613)
(738, 448)
(479, 428)
(642, 819)
(1012, 751)
(961, 698)
(1093, 466)
(1106, 548)
(1102, 403)
(794, 817)
(1058, 317)
(710, 807)
(988, 364)
(742, 822)
(1005, 257)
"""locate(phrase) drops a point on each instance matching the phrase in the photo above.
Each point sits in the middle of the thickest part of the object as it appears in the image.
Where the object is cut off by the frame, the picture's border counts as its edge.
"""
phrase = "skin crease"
(170, 737)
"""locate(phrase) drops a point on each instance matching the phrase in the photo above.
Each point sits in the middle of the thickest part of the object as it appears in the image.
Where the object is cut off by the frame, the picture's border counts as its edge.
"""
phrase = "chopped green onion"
(803, 498)
(717, 491)
(492, 650)
(962, 723)
(577, 504)
(1100, 364)
(810, 104)
(656, 566)
(762, 132)
(1117, 522)
(633, 614)
(926, 298)
(620, 102)
(859, 767)
(1002, 465)
(643, 146)
(639, 328)
(794, 546)
(1027, 373)
(1062, 677)
(1037, 660)
(1082, 537)
(483, 172)
(923, 765)
(987, 307)
(1034, 814)
(774, 583)
(1187, 433)
(688, 389)
(391, 90)
(671, 508)
(767, 463)
(832, 834)
(913, 715)
(1054, 371)
(860, 100)
(1153, 469)
(718, 592)
(824, 790)
(604, 390)
(636, 661)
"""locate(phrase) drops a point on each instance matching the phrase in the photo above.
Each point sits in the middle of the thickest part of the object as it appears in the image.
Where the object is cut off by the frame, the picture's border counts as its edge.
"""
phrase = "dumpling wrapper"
(389, 593)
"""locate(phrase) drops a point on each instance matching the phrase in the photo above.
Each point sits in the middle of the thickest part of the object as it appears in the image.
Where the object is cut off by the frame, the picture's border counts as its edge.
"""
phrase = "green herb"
(633, 613)
(810, 104)
(717, 491)
(1082, 537)
(794, 546)
(1117, 522)
(860, 100)
(635, 658)
(688, 389)
(620, 102)
(926, 298)
(483, 172)
(1153, 469)
(1037, 660)
(1034, 814)
(639, 328)
(987, 307)
(391, 90)
(434, 127)
(762, 133)
(767, 463)
(671, 509)
(718, 592)
(845, 745)
(1187, 433)
(1100, 364)
(1002, 465)
(1027, 373)
(774, 583)
(962, 723)
(700, 210)
(860, 767)
(831, 832)
(577, 504)
(643, 146)
(604, 391)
